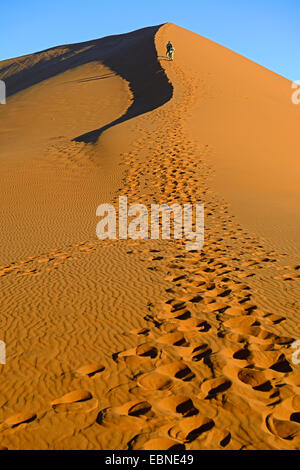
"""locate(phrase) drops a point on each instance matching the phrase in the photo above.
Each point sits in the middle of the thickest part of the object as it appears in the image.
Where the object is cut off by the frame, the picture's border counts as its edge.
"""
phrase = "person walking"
(170, 50)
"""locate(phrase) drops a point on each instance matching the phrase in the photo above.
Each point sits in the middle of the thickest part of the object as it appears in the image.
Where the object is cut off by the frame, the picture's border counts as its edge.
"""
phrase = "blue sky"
(265, 31)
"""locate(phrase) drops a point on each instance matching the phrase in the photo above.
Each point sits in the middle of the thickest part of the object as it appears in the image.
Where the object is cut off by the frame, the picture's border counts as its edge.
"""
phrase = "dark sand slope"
(141, 344)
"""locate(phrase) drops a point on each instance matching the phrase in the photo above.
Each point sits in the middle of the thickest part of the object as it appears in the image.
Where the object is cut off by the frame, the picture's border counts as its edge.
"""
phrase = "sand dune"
(141, 344)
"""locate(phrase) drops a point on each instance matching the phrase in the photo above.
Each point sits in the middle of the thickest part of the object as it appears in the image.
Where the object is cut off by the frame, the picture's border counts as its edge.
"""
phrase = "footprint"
(211, 387)
(119, 422)
(253, 378)
(143, 350)
(90, 369)
(275, 360)
(134, 408)
(250, 326)
(178, 404)
(72, 397)
(193, 324)
(289, 409)
(195, 353)
(240, 355)
(217, 292)
(219, 437)
(188, 429)
(236, 311)
(154, 381)
(281, 428)
(17, 419)
(170, 313)
(240, 324)
(272, 318)
(140, 331)
(77, 400)
(215, 307)
(175, 339)
(178, 370)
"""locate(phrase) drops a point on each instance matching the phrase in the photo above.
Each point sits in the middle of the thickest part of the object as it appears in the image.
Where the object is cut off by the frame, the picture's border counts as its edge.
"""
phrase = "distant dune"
(141, 344)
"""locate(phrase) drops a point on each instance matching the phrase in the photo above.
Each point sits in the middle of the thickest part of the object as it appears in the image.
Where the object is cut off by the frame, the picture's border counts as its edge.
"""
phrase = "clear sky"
(266, 31)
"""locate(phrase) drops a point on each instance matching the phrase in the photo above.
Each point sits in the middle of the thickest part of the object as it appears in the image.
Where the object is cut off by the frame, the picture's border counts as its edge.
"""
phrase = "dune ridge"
(139, 344)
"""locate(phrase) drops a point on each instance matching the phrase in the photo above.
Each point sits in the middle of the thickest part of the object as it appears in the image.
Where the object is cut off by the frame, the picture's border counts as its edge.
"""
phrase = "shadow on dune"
(136, 61)
(132, 56)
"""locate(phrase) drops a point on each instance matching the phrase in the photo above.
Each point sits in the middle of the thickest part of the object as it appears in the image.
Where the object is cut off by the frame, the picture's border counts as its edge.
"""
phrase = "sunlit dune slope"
(245, 114)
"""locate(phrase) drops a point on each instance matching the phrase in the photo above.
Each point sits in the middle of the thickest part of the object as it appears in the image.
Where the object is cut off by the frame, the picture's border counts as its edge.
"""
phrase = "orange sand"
(142, 344)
